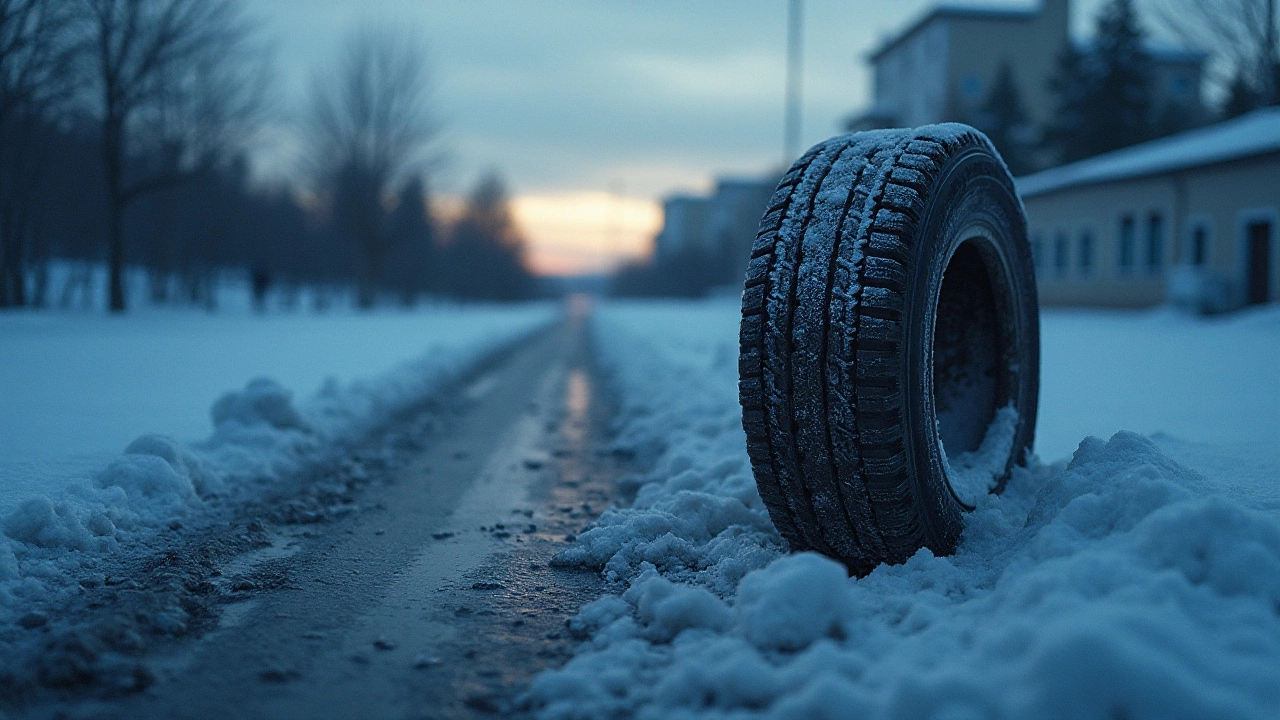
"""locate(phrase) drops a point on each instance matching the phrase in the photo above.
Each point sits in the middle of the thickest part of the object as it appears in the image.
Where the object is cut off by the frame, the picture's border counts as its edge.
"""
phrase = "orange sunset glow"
(585, 232)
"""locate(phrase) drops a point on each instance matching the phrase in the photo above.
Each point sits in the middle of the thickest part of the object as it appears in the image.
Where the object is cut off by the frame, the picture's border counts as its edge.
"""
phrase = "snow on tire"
(890, 342)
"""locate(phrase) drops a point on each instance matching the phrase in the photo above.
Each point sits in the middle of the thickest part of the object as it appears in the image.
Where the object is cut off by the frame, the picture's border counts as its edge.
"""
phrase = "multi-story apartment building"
(941, 67)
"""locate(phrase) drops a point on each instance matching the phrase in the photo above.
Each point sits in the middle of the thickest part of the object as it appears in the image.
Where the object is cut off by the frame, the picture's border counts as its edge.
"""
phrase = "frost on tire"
(889, 364)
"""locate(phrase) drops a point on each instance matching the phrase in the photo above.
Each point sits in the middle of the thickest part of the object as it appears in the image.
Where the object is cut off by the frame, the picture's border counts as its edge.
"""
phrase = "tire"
(889, 314)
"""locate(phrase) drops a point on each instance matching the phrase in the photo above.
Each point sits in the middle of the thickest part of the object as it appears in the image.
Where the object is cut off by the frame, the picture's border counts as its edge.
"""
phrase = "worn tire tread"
(822, 343)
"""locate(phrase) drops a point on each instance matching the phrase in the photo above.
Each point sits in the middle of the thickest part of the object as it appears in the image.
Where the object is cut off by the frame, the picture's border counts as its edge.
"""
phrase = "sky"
(593, 110)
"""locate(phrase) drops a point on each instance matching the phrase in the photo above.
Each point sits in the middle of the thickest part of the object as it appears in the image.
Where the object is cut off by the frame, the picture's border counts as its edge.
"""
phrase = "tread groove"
(815, 536)
(751, 364)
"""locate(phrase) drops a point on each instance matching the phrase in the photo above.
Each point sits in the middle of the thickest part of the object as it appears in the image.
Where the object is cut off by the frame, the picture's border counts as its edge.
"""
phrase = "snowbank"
(1117, 584)
(261, 434)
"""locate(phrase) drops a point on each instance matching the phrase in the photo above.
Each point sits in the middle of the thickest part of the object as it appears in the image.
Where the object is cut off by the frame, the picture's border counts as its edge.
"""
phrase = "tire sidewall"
(972, 198)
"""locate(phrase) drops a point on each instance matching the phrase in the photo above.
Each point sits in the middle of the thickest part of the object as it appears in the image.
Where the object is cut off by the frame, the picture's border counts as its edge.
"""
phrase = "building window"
(1127, 242)
(1155, 242)
(1086, 252)
(1060, 254)
(1037, 251)
(1200, 245)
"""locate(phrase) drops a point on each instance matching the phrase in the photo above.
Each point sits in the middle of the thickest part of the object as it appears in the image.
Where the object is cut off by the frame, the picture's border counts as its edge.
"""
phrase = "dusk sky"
(594, 110)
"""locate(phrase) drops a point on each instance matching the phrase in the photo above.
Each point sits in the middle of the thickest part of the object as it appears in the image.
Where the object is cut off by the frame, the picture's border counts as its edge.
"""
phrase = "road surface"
(409, 580)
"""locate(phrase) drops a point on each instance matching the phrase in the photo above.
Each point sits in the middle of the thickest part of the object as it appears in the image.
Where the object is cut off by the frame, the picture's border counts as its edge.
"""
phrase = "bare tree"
(36, 51)
(204, 116)
(168, 88)
(371, 124)
(1240, 34)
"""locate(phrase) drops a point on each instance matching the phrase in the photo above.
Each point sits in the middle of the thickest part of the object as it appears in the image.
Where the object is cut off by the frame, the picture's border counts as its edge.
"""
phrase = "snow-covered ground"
(1158, 372)
(1139, 579)
(218, 390)
(1206, 391)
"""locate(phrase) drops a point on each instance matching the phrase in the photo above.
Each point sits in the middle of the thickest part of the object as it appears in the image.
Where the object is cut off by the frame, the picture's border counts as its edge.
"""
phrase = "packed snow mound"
(180, 459)
(974, 473)
(261, 435)
(154, 480)
(1113, 585)
(696, 516)
(263, 401)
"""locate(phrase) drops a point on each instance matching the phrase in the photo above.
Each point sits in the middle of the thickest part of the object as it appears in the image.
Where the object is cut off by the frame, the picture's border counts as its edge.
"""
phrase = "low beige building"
(1190, 219)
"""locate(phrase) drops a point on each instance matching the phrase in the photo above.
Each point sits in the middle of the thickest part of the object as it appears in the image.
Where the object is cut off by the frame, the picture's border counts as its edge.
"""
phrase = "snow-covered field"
(1139, 578)
(77, 389)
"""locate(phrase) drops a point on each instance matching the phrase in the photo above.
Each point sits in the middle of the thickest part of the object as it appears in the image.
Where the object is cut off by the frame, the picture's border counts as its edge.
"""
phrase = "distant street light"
(795, 57)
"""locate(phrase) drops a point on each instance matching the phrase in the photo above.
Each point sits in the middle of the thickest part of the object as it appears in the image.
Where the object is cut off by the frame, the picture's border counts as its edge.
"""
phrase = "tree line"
(1103, 92)
(125, 132)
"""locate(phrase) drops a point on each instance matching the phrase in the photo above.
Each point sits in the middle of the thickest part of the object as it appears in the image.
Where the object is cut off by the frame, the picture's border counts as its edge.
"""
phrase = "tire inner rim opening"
(976, 421)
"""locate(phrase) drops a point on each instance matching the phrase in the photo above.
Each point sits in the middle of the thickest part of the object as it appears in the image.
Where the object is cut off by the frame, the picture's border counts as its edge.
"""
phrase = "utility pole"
(1269, 79)
(795, 70)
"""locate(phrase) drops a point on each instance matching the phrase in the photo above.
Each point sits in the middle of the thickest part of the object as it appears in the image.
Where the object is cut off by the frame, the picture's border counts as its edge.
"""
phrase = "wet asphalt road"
(436, 598)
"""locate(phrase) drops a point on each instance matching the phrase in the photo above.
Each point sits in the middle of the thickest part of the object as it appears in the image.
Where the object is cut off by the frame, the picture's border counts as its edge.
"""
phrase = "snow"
(973, 474)
(78, 388)
(1207, 391)
(1249, 135)
(1119, 583)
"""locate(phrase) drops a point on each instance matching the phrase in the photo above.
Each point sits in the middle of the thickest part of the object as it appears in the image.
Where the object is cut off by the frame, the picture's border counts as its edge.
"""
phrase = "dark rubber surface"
(838, 312)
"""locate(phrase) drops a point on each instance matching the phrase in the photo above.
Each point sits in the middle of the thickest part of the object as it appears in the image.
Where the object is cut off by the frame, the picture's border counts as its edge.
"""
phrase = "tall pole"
(1269, 79)
(795, 57)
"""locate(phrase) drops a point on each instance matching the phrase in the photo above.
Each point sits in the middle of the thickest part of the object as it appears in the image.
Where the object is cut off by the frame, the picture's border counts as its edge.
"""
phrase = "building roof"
(1257, 133)
(953, 11)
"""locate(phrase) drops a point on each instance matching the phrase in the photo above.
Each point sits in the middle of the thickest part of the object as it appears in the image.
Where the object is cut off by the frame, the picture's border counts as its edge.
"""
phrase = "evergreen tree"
(411, 267)
(1004, 120)
(1120, 107)
(1104, 95)
(1242, 96)
(485, 252)
(1067, 130)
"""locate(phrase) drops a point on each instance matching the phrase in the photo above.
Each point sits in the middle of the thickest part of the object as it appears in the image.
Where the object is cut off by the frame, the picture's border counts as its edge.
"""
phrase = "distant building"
(1190, 218)
(942, 67)
(1177, 75)
(684, 225)
(718, 229)
(736, 209)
